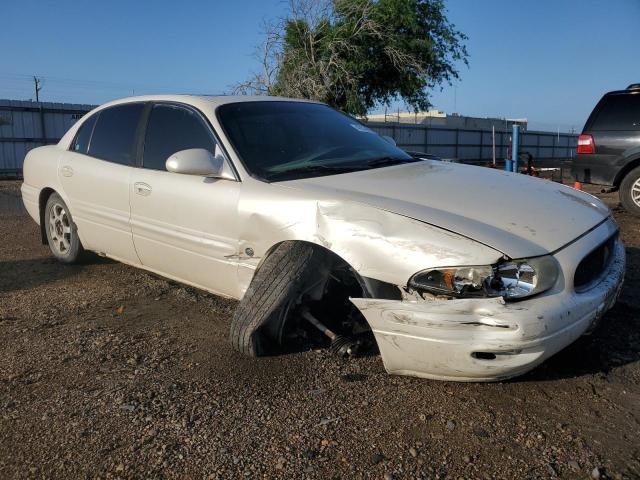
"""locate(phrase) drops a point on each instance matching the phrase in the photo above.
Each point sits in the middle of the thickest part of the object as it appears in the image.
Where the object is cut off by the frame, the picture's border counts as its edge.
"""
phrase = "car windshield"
(288, 140)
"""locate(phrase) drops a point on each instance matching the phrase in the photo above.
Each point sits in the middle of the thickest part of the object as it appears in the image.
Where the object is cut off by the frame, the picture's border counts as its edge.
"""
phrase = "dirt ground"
(107, 371)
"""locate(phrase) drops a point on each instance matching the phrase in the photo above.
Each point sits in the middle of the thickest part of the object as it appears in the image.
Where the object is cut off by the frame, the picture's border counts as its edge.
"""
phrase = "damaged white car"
(330, 235)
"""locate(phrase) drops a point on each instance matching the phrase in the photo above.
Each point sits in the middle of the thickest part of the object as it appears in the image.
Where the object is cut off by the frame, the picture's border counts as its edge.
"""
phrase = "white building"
(437, 118)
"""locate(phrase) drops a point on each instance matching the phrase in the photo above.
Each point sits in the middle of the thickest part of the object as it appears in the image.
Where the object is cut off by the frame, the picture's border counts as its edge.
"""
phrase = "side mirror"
(199, 161)
(390, 140)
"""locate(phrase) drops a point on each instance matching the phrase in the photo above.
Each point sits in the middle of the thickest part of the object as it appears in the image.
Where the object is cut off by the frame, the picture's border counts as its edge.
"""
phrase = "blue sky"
(547, 60)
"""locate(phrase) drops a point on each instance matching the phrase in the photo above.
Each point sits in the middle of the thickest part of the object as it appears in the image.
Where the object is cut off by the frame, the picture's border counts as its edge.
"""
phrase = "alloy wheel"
(635, 192)
(59, 229)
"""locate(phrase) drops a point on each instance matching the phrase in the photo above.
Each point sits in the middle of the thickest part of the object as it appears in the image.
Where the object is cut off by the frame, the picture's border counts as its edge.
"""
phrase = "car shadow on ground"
(17, 275)
(614, 343)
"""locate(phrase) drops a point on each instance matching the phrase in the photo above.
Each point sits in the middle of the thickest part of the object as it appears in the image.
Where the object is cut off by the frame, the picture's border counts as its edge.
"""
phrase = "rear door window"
(114, 134)
(618, 112)
(83, 137)
(171, 129)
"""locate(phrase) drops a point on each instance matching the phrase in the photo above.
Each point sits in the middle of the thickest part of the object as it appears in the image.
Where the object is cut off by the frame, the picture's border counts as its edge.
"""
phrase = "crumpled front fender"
(376, 243)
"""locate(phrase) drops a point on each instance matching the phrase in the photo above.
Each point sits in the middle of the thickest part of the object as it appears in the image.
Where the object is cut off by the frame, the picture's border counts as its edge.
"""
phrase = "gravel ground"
(107, 371)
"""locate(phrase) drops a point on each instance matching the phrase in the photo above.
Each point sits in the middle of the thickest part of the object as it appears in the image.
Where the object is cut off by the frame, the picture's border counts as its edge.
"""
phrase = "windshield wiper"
(333, 169)
(317, 169)
(387, 161)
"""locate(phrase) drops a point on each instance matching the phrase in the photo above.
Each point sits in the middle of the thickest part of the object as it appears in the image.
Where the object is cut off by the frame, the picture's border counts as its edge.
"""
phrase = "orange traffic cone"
(577, 185)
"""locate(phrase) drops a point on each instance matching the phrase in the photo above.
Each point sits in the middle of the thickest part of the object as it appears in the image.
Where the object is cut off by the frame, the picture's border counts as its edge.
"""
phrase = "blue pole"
(508, 165)
(514, 146)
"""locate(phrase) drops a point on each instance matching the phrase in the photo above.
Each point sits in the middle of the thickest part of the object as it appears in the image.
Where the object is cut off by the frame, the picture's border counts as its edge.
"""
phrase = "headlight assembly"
(511, 279)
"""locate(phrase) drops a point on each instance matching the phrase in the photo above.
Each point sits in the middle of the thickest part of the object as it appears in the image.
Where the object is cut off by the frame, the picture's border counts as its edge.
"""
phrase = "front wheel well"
(300, 289)
(334, 261)
(370, 287)
(45, 193)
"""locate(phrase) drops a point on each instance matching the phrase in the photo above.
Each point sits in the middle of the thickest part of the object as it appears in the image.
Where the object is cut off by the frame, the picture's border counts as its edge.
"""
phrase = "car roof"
(631, 89)
(204, 101)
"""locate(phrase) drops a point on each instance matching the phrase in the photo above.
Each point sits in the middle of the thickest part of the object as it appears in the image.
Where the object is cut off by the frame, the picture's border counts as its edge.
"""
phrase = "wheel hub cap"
(59, 229)
(635, 192)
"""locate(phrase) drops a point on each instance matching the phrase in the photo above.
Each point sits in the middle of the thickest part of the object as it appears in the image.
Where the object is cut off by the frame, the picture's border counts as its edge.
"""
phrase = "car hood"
(518, 215)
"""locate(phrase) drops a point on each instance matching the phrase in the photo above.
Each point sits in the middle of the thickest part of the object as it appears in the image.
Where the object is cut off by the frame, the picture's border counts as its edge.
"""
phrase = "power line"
(93, 84)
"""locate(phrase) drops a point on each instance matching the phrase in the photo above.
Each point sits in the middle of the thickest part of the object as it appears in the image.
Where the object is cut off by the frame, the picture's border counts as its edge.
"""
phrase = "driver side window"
(170, 129)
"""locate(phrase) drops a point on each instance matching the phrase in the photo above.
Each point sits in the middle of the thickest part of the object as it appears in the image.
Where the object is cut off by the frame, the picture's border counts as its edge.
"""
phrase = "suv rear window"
(114, 135)
(620, 111)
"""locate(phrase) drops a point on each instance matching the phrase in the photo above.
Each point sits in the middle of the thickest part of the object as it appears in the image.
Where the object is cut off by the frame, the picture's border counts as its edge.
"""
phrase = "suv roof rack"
(634, 86)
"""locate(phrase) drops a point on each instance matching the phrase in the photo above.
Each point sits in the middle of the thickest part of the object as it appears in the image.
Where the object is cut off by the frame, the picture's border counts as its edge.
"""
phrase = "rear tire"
(62, 233)
(630, 192)
(286, 274)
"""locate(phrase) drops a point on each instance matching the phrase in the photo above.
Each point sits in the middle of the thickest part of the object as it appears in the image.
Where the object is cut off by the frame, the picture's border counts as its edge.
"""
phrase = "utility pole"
(37, 83)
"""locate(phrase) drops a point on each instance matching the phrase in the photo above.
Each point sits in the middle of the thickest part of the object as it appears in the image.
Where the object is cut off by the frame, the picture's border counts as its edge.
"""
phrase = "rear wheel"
(630, 192)
(62, 234)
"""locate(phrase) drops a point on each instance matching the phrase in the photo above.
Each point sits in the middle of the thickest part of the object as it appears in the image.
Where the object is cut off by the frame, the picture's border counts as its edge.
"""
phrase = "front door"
(184, 226)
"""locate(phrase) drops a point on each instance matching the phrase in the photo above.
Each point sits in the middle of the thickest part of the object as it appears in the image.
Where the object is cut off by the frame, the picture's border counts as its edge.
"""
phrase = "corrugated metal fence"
(476, 145)
(26, 125)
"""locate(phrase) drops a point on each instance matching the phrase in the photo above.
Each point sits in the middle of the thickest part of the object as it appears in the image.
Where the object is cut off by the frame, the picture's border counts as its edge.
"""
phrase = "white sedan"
(330, 235)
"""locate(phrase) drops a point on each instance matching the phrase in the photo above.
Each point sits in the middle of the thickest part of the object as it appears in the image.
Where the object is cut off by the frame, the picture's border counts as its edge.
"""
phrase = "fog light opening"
(484, 355)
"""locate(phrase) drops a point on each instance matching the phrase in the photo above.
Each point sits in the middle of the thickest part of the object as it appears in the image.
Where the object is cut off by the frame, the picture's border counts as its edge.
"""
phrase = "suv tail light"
(585, 144)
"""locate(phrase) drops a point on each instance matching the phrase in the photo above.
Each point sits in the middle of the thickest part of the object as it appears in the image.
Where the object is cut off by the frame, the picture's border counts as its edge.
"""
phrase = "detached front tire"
(62, 234)
(290, 271)
(630, 192)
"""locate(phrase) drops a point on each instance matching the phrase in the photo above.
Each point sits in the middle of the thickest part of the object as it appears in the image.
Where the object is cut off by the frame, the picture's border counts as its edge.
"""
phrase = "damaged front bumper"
(489, 339)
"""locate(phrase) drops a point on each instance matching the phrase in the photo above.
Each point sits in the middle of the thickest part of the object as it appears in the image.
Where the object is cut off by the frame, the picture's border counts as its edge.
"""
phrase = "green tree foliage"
(355, 54)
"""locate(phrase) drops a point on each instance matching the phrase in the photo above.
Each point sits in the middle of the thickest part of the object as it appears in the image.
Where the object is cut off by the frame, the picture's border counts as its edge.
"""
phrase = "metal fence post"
(43, 130)
(493, 144)
(514, 145)
(457, 142)
(426, 139)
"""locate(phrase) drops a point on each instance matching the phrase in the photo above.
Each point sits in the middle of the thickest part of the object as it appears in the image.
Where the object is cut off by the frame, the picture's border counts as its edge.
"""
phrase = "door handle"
(142, 189)
(66, 171)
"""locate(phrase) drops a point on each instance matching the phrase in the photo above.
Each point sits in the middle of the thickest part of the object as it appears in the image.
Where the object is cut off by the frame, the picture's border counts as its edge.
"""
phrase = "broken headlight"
(510, 279)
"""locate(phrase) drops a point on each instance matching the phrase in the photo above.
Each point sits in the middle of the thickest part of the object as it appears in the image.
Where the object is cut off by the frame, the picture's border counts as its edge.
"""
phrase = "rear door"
(184, 226)
(615, 128)
(95, 174)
